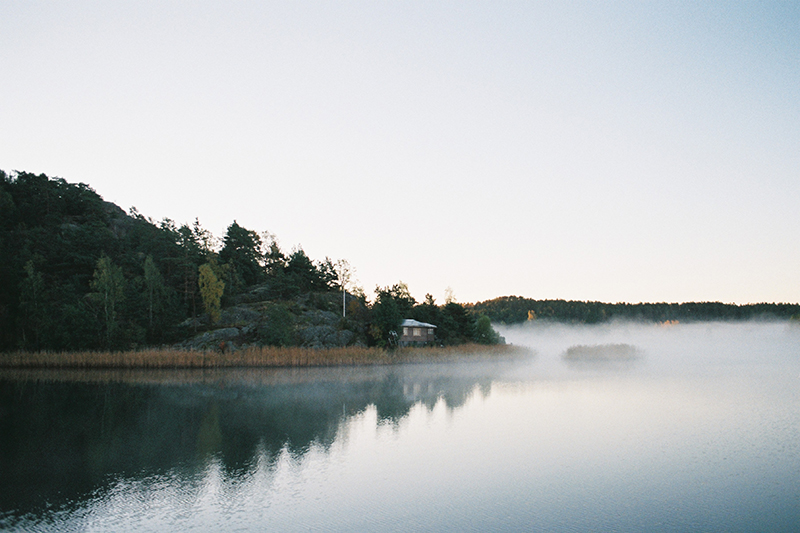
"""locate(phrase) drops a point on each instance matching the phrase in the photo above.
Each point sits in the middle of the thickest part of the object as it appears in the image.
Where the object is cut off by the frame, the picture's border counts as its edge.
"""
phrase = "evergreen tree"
(386, 320)
(196, 245)
(484, 333)
(32, 302)
(108, 285)
(303, 275)
(392, 305)
(241, 251)
(154, 288)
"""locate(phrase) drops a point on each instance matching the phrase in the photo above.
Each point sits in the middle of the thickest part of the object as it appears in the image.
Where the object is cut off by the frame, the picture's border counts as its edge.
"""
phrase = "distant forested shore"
(516, 309)
(79, 273)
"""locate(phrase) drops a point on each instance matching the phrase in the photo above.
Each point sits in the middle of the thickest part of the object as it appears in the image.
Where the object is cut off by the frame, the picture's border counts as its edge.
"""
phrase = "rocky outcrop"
(238, 316)
(212, 340)
(261, 323)
(326, 337)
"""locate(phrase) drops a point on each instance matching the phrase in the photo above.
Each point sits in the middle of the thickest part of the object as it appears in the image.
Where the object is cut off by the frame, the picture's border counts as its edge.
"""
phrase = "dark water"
(702, 432)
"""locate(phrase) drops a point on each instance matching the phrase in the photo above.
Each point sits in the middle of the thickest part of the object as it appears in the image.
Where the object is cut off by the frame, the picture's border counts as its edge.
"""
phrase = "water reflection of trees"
(60, 441)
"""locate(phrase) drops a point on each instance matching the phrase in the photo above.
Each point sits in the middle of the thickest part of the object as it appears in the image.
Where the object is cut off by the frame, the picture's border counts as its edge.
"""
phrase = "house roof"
(411, 323)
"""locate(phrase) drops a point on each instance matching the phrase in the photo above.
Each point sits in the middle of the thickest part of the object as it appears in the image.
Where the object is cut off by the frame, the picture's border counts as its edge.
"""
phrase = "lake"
(700, 431)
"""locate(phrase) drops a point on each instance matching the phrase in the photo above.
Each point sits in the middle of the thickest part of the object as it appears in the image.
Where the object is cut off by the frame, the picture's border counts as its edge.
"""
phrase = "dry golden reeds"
(266, 356)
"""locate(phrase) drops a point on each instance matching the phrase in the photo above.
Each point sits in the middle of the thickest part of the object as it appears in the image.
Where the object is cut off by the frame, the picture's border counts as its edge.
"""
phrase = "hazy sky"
(614, 151)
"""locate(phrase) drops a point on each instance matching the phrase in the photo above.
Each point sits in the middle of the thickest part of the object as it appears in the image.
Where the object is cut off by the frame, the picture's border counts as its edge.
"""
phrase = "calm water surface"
(702, 432)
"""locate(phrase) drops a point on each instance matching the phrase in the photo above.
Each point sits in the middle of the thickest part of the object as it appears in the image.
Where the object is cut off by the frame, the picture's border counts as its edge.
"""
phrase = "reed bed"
(266, 356)
(462, 352)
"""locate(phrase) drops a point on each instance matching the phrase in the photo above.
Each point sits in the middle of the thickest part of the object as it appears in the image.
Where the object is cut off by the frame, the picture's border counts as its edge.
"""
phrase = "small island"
(601, 353)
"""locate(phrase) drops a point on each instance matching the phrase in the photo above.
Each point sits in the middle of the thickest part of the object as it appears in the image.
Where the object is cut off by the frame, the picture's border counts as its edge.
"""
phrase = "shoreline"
(255, 357)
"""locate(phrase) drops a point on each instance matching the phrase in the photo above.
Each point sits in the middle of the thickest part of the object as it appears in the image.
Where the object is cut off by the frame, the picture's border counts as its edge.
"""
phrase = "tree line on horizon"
(79, 273)
(516, 309)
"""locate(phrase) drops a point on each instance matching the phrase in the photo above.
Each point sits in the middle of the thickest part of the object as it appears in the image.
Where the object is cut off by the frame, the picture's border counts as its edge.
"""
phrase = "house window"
(430, 331)
(405, 332)
(417, 332)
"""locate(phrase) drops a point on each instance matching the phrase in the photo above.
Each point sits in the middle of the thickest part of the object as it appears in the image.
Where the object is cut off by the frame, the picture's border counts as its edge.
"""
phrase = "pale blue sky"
(625, 151)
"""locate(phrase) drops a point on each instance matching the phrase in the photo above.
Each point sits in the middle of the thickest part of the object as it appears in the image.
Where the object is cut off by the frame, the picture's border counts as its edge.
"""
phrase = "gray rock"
(315, 336)
(318, 317)
(197, 322)
(211, 339)
(344, 337)
(237, 316)
(260, 293)
(325, 336)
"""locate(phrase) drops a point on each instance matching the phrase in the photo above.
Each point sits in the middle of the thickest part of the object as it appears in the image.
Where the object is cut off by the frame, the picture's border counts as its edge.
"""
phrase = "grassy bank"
(267, 356)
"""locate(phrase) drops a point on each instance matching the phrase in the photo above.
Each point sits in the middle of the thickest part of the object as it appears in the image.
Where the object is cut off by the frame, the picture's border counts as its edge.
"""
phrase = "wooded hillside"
(79, 273)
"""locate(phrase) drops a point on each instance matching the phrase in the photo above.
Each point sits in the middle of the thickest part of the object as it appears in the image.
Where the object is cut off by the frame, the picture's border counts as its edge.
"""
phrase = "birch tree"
(344, 273)
(211, 289)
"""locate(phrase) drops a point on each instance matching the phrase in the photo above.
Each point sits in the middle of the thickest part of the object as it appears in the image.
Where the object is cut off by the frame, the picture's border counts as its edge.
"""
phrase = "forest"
(515, 309)
(79, 273)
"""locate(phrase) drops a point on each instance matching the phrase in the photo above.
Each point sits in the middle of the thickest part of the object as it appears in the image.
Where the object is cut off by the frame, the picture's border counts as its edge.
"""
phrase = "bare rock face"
(317, 336)
(296, 322)
(238, 316)
(259, 293)
(323, 330)
(318, 317)
(212, 339)
(344, 337)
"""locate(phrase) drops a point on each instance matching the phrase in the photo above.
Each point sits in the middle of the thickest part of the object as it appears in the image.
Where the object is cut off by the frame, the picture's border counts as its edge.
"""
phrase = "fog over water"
(671, 349)
(700, 431)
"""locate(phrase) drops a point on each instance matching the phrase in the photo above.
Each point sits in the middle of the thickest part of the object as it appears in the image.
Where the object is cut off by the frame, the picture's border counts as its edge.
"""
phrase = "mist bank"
(680, 349)
(516, 309)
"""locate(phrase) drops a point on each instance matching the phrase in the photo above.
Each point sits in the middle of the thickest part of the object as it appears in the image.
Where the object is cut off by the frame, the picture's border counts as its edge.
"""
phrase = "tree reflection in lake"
(63, 440)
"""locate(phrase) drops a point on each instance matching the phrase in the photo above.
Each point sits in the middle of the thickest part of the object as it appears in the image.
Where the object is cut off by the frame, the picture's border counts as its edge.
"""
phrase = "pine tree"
(108, 285)
(154, 285)
(32, 305)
